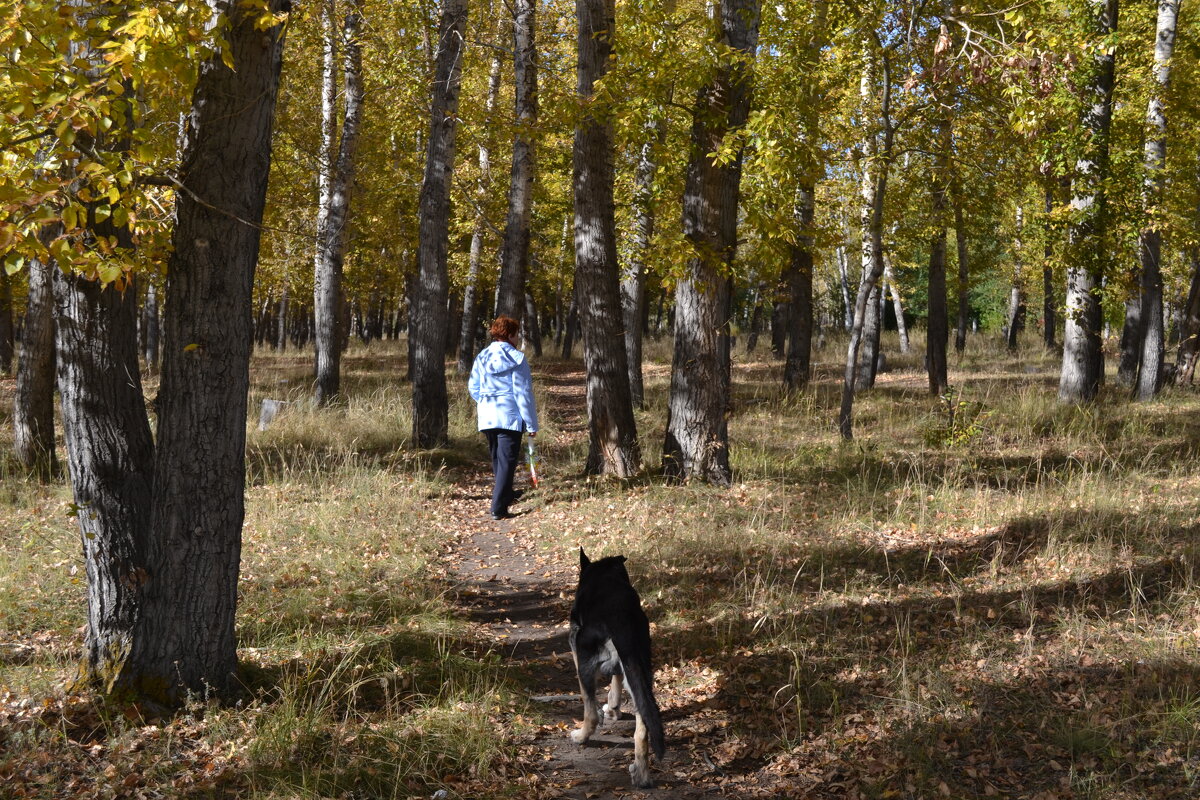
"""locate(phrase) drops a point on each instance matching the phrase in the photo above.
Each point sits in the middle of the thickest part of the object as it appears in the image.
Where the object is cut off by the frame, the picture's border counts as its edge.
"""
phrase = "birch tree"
(337, 175)
(1149, 379)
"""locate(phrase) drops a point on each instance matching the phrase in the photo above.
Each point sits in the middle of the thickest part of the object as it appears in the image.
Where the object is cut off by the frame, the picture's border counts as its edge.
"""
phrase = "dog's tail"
(639, 676)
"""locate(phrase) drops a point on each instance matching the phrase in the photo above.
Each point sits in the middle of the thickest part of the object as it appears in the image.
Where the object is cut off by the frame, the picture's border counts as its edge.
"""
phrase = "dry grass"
(1006, 606)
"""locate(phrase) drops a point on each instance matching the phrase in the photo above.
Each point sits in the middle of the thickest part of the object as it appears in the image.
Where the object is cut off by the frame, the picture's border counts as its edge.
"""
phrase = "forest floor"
(984, 595)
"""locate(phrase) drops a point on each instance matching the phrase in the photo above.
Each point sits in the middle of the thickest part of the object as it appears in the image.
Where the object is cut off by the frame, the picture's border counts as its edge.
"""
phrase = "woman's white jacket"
(502, 385)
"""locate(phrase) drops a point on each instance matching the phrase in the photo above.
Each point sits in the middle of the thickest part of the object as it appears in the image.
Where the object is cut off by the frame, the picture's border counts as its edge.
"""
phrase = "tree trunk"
(938, 329)
(1083, 364)
(111, 456)
(843, 262)
(1130, 346)
(281, 332)
(510, 296)
(7, 340)
(697, 441)
(963, 288)
(568, 344)
(33, 409)
(161, 621)
(1189, 334)
(1016, 292)
(1149, 379)
(150, 327)
(110, 450)
(613, 445)
(633, 287)
(868, 362)
(897, 303)
(871, 240)
(780, 310)
(326, 283)
(332, 237)
(799, 280)
(1049, 314)
(470, 314)
(531, 325)
(427, 330)
(755, 322)
(873, 192)
(939, 324)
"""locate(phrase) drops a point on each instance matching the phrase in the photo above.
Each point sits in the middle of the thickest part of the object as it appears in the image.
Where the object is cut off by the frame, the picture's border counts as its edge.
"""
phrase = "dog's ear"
(583, 560)
(621, 559)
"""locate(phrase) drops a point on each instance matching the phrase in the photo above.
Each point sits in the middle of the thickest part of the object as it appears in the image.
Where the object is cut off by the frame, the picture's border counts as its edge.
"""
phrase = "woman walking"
(502, 385)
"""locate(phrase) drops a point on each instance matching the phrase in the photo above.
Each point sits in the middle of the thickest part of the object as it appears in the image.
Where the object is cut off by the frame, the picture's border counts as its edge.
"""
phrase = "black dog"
(610, 635)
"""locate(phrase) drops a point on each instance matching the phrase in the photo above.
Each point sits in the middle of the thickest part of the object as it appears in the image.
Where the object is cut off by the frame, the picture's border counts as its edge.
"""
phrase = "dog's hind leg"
(587, 687)
(639, 770)
(612, 709)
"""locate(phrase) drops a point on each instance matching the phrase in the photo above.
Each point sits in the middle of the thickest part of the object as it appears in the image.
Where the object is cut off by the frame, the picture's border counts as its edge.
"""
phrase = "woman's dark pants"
(505, 446)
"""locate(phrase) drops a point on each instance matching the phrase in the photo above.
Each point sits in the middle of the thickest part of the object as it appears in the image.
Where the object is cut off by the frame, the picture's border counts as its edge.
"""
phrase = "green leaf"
(108, 272)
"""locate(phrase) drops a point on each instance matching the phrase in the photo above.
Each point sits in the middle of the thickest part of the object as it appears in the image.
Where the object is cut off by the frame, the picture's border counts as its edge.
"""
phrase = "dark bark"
(799, 279)
(756, 313)
(697, 441)
(7, 339)
(1016, 292)
(613, 447)
(161, 620)
(470, 310)
(110, 450)
(150, 327)
(33, 409)
(568, 343)
(111, 458)
(281, 333)
(963, 287)
(938, 325)
(1083, 364)
(1189, 334)
(780, 309)
(530, 327)
(1049, 312)
(868, 362)
(328, 300)
(1130, 345)
(510, 295)
(1150, 370)
(427, 331)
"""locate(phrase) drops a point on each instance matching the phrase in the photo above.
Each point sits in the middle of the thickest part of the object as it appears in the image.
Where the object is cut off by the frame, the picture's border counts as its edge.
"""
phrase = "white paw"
(579, 736)
(641, 776)
(610, 714)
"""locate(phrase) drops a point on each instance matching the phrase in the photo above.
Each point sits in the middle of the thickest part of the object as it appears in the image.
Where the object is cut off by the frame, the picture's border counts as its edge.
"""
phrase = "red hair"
(504, 328)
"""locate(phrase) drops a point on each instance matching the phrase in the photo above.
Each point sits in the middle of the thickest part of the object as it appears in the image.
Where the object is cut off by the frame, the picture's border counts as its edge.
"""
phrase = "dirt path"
(520, 600)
